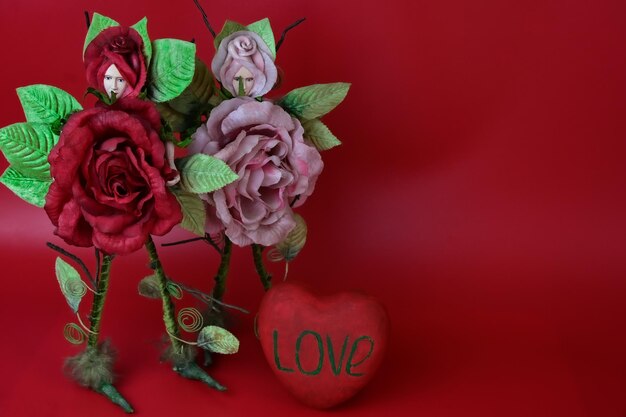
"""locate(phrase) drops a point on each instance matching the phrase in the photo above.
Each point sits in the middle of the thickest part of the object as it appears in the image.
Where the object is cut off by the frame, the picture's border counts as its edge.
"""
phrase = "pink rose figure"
(243, 57)
(264, 146)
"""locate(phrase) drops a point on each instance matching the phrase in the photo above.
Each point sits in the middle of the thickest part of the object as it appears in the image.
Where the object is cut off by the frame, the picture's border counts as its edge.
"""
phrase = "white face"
(114, 82)
(248, 80)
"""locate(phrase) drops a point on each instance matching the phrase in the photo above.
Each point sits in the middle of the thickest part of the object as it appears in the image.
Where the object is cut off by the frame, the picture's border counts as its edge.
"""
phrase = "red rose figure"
(110, 172)
(122, 47)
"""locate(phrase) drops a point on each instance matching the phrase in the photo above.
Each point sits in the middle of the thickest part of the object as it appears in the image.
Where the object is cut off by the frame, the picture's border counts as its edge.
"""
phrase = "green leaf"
(98, 24)
(217, 339)
(314, 100)
(72, 287)
(149, 287)
(264, 30)
(142, 28)
(31, 190)
(295, 240)
(26, 147)
(46, 104)
(194, 212)
(320, 135)
(229, 28)
(172, 68)
(201, 173)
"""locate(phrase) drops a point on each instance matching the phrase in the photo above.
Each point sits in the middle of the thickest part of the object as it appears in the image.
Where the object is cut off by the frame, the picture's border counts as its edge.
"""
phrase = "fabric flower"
(110, 174)
(244, 55)
(122, 47)
(264, 146)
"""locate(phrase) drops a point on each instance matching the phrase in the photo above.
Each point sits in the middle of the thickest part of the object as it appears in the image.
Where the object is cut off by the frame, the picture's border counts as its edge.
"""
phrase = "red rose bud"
(110, 172)
(123, 48)
(122, 45)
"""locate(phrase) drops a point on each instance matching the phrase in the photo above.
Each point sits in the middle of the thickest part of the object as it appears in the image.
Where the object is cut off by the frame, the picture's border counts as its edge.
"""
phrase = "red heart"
(324, 350)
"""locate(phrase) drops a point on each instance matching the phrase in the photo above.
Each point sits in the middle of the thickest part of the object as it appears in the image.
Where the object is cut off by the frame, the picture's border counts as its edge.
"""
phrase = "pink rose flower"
(264, 145)
(244, 55)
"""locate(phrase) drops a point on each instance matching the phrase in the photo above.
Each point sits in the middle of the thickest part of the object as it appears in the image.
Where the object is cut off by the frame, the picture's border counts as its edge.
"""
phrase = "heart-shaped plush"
(323, 349)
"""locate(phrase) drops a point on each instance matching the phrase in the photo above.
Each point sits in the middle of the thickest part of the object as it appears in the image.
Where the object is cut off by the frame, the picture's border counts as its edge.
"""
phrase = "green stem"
(104, 272)
(186, 368)
(113, 394)
(169, 317)
(222, 272)
(98, 302)
(266, 278)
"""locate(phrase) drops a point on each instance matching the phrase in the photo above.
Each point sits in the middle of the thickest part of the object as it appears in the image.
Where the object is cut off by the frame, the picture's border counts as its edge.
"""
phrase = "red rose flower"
(110, 172)
(122, 47)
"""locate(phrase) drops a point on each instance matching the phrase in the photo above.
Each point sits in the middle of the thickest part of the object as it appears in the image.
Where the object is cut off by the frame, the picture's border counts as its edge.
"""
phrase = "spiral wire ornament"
(74, 288)
(74, 334)
(275, 255)
(190, 319)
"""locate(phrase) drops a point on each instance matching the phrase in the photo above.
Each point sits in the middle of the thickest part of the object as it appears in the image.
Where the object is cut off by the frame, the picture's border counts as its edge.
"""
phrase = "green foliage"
(320, 135)
(218, 340)
(26, 147)
(194, 212)
(72, 286)
(172, 68)
(149, 287)
(295, 240)
(184, 112)
(201, 173)
(31, 190)
(98, 24)
(314, 101)
(264, 30)
(46, 104)
(229, 28)
(142, 28)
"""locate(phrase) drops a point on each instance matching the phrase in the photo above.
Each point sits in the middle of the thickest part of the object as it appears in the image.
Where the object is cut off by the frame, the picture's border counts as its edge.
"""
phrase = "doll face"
(246, 77)
(114, 82)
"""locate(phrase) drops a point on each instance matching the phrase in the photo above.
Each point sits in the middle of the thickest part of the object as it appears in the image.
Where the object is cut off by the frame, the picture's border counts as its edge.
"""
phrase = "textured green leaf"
(264, 30)
(314, 100)
(46, 104)
(229, 28)
(149, 287)
(184, 112)
(194, 212)
(319, 134)
(201, 173)
(217, 339)
(295, 240)
(172, 69)
(31, 190)
(72, 286)
(26, 147)
(98, 24)
(142, 28)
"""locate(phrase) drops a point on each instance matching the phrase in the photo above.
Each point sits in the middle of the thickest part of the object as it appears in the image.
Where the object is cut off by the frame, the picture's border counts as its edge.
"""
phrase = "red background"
(479, 193)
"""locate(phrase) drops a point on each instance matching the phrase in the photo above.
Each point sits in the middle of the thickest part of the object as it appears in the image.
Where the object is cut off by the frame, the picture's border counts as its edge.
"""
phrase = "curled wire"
(274, 255)
(190, 319)
(74, 288)
(174, 290)
(74, 334)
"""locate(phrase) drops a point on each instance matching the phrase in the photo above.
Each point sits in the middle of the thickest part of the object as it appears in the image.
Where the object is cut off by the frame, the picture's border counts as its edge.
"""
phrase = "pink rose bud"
(244, 60)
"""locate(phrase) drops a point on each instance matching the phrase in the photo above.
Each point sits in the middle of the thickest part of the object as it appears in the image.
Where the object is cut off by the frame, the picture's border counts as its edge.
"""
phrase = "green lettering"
(331, 355)
(320, 346)
(276, 357)
(355, 345)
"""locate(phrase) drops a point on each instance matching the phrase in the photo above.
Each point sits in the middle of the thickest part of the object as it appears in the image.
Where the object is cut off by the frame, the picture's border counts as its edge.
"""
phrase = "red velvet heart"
(324, 350)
